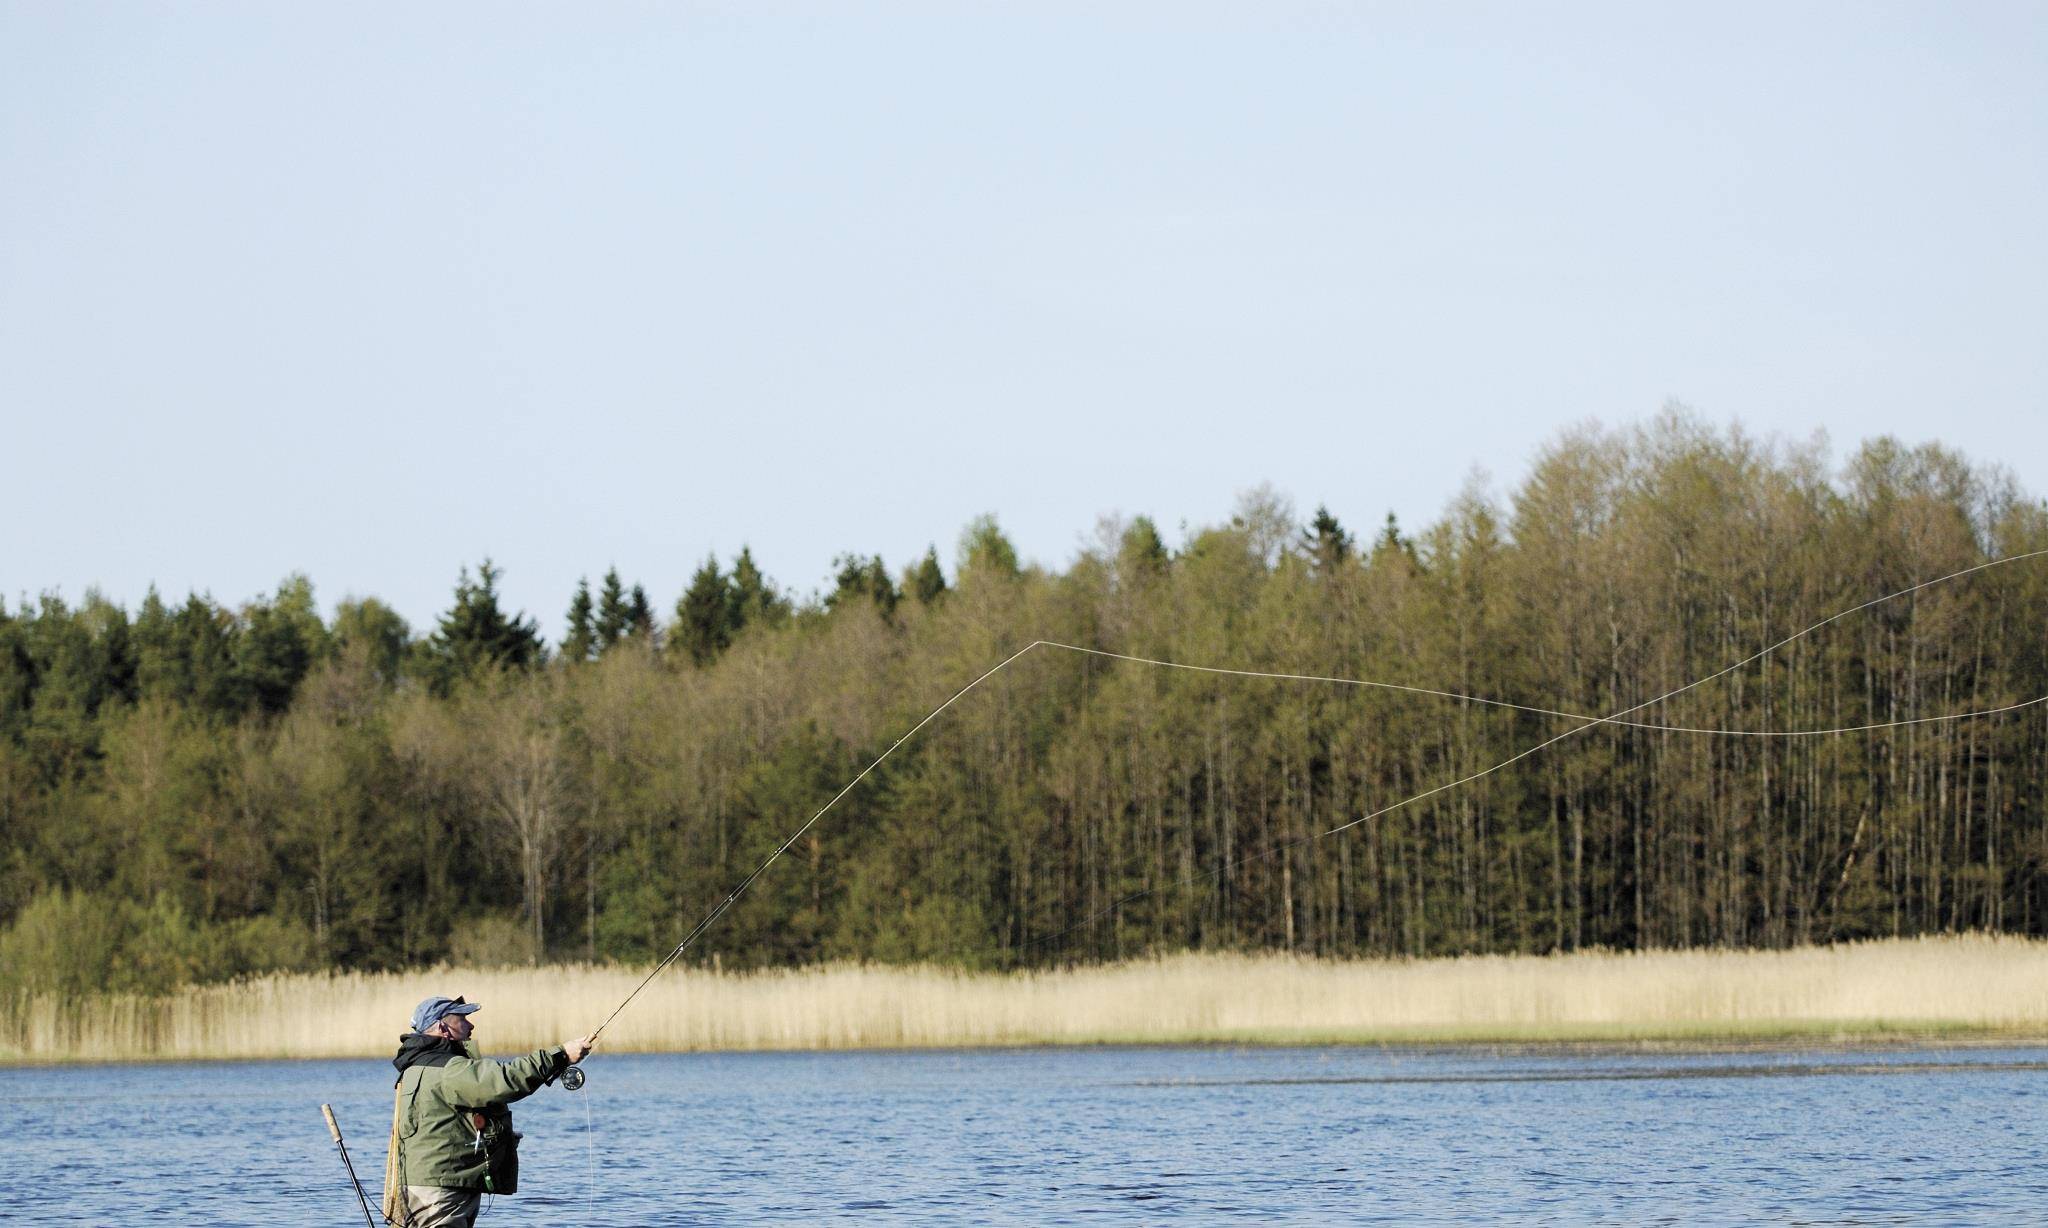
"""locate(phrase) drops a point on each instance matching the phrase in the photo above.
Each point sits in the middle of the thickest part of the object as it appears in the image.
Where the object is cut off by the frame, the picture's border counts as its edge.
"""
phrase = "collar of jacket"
(418, 1049)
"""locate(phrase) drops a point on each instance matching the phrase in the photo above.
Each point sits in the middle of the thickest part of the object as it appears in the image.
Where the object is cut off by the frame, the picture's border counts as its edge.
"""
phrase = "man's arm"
(479, 1083)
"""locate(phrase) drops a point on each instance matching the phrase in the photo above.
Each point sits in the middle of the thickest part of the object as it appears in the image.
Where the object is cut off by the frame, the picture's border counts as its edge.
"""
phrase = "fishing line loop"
(1617, 718)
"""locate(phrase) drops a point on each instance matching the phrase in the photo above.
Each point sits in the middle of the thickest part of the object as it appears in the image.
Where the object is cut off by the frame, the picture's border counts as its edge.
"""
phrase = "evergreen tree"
(477, 634)
(926, 581)
(754, 600)
(614, 615)
(151, 636)
(1139, 550)
(1392, 545)
(277, 645)
(113, 649)
(704, 616)
(1325, 542)
(581, 640)
(69, 666)
(188, 655)
(1390, 534)
(17, 675)
(639, 615)
(145, 782)
(861, 577)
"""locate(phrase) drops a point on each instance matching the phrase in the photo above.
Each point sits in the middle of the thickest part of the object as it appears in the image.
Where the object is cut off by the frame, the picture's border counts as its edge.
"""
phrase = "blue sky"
(374, 291)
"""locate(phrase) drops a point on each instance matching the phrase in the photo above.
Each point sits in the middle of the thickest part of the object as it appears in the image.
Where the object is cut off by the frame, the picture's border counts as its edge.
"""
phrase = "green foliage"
(188, 655)
(62, 667)
(1390, 546)
(790, 921)
(193, 792)
(17, 675)
(476, 634)
(863, 579)
(1325, 542)
(1140, 550)
(639, 615)
(917, 893)
(614, 614)
(925, 581)
(492, 940)
(580, 644)
(374, 633)
(68, 943)
(984, 551)
(78, 943)
(704, 616)
(278, 643)
(755, 601)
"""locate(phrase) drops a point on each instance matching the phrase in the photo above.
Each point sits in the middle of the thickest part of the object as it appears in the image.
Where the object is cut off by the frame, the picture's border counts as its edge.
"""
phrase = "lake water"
(1096, 1136)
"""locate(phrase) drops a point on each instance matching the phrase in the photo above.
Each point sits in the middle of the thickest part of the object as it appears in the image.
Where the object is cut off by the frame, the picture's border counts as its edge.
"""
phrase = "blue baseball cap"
(435, 1009)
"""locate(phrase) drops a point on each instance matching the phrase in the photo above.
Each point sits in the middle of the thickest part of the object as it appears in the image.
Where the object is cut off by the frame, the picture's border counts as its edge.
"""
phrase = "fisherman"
(451, 1135)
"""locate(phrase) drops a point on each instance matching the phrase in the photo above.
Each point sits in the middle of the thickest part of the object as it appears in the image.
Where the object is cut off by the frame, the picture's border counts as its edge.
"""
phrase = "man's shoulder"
(428, 1074)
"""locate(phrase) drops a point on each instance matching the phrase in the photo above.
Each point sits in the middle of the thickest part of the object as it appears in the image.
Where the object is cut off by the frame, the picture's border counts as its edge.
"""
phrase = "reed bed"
(1955, 987)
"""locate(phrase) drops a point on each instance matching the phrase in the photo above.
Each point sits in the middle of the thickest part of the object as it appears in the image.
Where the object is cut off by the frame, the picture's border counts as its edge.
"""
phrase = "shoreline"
(1878, 1040)
(1956, 992)
(1849, 1041)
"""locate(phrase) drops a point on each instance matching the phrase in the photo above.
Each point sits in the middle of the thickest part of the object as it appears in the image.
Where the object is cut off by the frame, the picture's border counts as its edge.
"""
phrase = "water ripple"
(1112, 1136)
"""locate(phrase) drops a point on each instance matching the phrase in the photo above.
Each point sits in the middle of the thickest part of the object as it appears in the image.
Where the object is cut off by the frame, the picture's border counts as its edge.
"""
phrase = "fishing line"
(590, 1153)
(786, 845)
(1611, 719)
(1758, 655)
(1615, 718)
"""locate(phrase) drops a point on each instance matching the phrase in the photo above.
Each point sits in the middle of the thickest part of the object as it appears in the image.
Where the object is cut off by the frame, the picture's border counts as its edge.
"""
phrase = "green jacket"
(450, 1126)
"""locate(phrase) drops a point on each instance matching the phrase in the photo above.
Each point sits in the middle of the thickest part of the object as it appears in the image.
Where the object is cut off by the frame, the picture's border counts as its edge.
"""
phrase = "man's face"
(455, 1027)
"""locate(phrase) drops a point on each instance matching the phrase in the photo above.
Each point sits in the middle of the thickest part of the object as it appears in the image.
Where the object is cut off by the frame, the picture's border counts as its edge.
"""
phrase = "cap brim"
(467, 1008)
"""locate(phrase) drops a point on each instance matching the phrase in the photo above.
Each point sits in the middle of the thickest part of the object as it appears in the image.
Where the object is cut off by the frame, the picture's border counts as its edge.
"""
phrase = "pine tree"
(639, 615)
(861, 577)
(187, 655)
(754, 600)
(1392, 545)
(704, 616)
(278, 643)
(926, 581)
(582, 639)
(477, 634)
(1140, 550)
(17, 675)
(1325, 542)
(614, 615)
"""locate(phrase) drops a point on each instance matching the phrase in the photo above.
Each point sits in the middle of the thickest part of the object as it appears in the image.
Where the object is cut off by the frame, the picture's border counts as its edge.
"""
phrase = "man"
(451, 1134)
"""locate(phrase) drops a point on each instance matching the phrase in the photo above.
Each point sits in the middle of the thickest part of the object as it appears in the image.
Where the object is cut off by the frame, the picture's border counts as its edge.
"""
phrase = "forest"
(191, 792)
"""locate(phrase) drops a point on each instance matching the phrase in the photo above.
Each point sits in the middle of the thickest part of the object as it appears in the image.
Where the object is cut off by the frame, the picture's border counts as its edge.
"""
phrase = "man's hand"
(577, 1049)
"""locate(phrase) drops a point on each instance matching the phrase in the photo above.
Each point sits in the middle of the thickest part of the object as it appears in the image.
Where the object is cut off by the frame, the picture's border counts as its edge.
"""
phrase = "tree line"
(190, 792)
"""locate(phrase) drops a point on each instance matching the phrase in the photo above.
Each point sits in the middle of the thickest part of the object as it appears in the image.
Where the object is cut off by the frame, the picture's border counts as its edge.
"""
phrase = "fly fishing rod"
(573, 1078)
(334, 1128)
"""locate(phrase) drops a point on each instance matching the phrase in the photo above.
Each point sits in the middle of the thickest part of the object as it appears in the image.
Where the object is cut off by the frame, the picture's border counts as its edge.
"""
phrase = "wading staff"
(334, 1128)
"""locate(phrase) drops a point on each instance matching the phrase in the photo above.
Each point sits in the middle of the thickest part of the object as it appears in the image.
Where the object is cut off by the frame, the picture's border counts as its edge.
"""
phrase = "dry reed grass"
(1955, 986)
